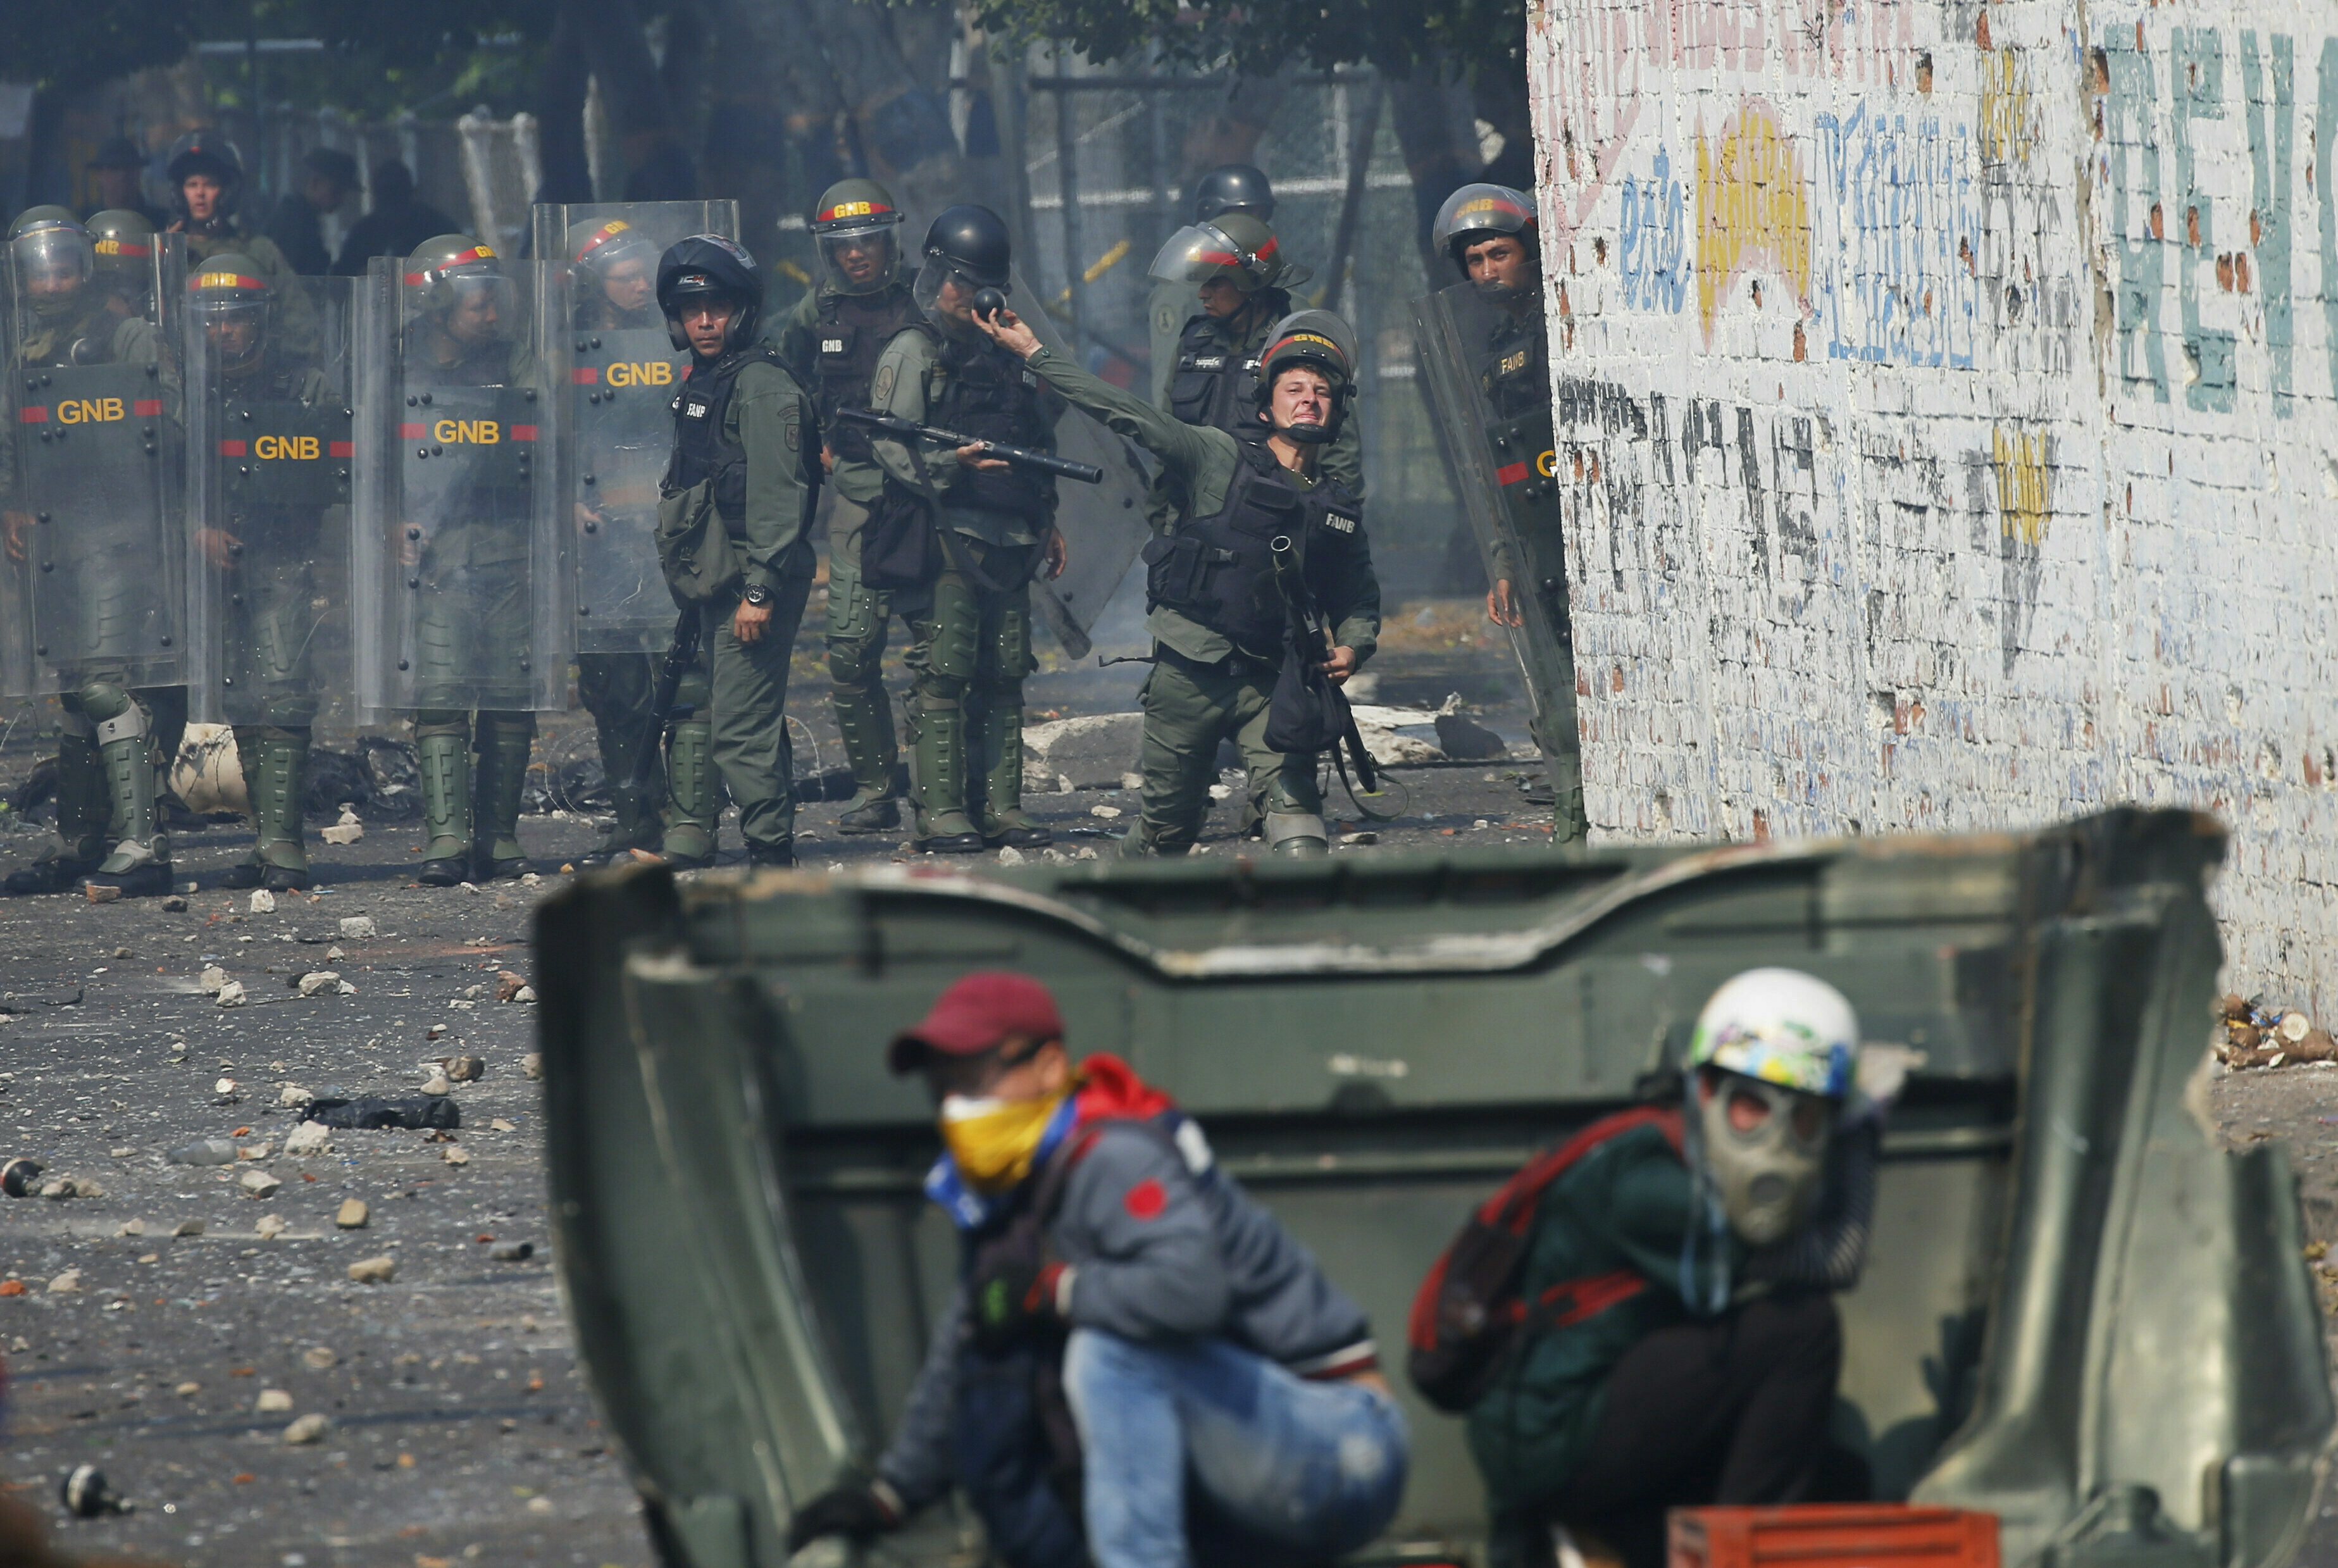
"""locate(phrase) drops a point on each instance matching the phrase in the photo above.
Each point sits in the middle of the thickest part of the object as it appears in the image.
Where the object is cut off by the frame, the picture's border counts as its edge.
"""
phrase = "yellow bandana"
(993, 1141)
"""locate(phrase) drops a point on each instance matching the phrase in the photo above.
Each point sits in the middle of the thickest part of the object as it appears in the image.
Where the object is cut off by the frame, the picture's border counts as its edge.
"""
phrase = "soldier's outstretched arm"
(1185, 450)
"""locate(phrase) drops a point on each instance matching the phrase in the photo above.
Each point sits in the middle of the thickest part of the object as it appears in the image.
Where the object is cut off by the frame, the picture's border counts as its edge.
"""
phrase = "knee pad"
(1287, 797)
(854, 665)
(118, 714)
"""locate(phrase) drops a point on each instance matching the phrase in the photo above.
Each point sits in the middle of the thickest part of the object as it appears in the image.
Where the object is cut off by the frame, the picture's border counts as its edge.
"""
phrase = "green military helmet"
(51, 255)
(1322, 340)
(614, 260)
(234, 301)
(856, 227)
(452, 270)
(1237, 246)
(124, 245)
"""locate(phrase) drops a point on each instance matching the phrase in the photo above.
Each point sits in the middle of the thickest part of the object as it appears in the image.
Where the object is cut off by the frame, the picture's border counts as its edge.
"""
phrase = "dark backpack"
(1471, 1317)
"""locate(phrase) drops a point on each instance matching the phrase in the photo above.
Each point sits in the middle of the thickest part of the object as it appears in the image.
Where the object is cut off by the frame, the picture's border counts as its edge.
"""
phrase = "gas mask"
(1766, 1168)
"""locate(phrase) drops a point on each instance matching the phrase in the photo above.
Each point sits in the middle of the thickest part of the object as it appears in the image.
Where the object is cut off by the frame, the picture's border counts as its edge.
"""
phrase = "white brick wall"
(1934, 482)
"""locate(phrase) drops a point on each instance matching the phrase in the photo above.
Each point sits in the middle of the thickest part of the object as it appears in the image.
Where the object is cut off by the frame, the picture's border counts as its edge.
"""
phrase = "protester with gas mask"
(1139, 1368)
(1678, 1344)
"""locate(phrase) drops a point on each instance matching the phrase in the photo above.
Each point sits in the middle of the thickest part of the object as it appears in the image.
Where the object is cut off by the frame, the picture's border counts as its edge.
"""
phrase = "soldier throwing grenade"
(1218, 616)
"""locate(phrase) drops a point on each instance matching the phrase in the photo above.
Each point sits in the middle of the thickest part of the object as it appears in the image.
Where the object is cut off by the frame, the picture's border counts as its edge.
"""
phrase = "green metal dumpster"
(2078, 1312)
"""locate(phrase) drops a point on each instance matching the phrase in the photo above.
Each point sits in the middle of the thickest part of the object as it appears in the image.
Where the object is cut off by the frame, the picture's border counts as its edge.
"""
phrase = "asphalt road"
(459, 1426)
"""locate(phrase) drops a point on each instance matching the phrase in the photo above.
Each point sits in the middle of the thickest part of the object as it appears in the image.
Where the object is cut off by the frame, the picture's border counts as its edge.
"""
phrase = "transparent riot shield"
(90, 490)
(459, 569)
(623, 370)
(1103, 525)
(1503, 458)
(272, 454)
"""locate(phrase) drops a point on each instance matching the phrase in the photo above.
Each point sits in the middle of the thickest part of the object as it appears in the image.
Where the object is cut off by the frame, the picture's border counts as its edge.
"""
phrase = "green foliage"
(430, 56)
(66, 44)
(1259, 36)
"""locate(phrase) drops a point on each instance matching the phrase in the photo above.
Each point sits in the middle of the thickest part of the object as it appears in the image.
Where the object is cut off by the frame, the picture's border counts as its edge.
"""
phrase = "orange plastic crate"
(1837, 1535)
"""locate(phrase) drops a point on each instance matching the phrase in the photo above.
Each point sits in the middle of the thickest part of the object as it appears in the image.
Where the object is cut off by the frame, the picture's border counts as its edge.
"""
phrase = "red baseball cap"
(979, 1012)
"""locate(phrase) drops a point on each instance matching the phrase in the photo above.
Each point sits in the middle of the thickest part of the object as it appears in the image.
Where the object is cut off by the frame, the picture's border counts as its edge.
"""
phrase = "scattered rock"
(437, 1083)
(374, 1271)
(334, 955)
(259, 1184)
(188, 1228)
(467, 1069)
(271, 1227)
(1010, 856)
(358, 928)
(309, 1428)
(132, 1228)
(1107, 812)
(188, 1390)
(353, 1214)
(455, 1154)
(434, 1031)
(509, 985)
(213, 978)
(347, 832)
(292, 1097)
(1085, 853)
(500, 1125)
(525, 995)
(272, 1402)
(319, 1357)
(1090, 752)
(58, 1188)
(174, 904)
(531, 1066)
(231, 993)
(263, 902)
(309, 1138)
(66, 1283)
(260, 1150)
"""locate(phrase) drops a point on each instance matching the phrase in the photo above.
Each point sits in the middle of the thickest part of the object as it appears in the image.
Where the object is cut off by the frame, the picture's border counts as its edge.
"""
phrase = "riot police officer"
(206, 175)
(1219, 610)
(102, 598)
(124, 243)
(1490, 233)
(994, 530)
(260, 537)
(473, 563)
(746, 446)
(615, 288)
(831, 341)
(1228, 187)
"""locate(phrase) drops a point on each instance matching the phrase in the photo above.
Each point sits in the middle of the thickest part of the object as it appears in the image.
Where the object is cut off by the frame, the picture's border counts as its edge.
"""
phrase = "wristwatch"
(758, 595)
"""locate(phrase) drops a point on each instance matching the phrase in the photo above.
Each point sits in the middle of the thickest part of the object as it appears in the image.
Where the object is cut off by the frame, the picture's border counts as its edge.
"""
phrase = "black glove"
(857, 1510)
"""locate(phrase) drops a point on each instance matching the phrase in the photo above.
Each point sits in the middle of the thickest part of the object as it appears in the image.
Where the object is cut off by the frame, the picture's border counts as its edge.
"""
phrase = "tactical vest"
(1214, 385)
(850, 332)
(1220, 570)
(703, 448)
(1517, 378)
(980, 389)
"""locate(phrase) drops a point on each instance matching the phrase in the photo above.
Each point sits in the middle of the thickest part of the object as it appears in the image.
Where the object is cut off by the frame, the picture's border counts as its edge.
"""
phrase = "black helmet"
(1233, 188)
(205, 152)
(971, 242)
(710, 264)
(119, 153)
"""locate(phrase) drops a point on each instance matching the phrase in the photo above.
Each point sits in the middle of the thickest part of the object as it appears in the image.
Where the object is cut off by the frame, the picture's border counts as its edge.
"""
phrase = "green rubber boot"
(443, 755)
(937, 780)
(275, 764)
(505, 743)
(694, 805)
(865, 720)
(1004, 823)
(139, 865)
(252, 870)
(83, 810)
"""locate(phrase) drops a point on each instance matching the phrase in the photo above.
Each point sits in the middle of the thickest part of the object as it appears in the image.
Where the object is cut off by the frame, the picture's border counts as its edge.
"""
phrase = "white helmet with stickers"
(1770, 1061)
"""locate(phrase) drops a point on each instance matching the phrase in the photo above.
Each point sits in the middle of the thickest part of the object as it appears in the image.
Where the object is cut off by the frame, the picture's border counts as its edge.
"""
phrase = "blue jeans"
(1280, 1468)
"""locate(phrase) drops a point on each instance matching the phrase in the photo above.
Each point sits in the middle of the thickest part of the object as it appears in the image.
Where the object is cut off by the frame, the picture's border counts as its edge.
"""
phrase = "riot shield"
(459, 569)
(270, 458)
(1503, 462)
(90, 497)
(623, 372)
(1103, 525)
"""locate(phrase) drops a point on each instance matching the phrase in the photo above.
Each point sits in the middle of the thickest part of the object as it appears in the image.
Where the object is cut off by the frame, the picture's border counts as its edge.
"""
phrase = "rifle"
(679, 657)
(908, 430)
(1312, 636)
